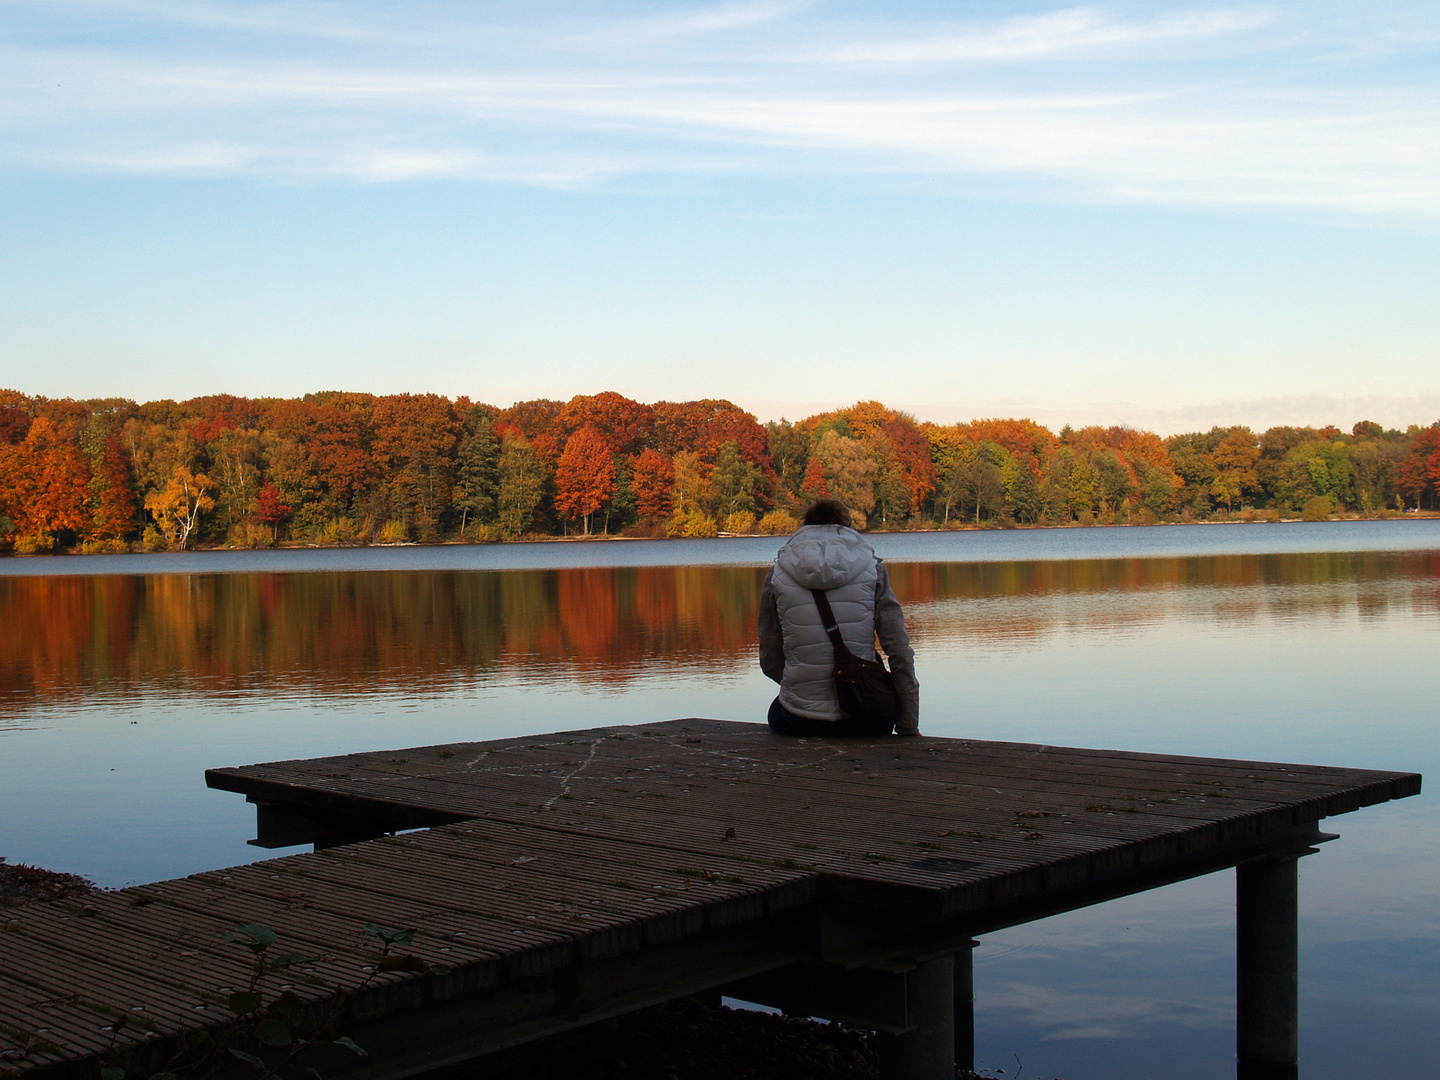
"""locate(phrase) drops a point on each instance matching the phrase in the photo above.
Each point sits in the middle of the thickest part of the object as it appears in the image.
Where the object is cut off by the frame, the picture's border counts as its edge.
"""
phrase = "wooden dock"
(564, 878)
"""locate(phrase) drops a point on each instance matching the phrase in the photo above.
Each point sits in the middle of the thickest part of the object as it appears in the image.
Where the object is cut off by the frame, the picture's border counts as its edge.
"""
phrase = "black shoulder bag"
(866, 687)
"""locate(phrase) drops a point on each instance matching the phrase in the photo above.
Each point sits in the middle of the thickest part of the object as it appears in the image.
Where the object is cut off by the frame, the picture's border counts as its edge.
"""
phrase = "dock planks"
(572, 876)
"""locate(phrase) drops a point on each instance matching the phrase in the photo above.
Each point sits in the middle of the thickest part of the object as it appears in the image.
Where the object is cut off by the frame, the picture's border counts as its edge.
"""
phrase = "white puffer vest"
(839, 561)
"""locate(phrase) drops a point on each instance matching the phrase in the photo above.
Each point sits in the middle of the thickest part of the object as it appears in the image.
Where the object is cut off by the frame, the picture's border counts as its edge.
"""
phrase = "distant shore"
(137, 548)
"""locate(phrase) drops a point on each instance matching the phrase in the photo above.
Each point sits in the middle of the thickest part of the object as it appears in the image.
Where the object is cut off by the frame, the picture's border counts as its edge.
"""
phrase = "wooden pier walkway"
(563, 878)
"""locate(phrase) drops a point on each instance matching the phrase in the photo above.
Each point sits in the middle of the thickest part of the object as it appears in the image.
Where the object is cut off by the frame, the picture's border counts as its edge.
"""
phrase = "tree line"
(346, 468)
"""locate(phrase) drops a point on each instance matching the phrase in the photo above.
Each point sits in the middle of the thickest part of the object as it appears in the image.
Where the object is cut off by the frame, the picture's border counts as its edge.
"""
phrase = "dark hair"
(827, 512)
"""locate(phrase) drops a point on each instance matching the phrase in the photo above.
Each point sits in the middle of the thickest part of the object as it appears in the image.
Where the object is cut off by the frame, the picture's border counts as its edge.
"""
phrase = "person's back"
(795, 650)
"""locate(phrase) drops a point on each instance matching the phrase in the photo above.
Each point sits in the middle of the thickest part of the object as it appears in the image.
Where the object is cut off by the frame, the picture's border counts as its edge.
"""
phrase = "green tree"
(1276, 443)
(1022, 491)
(736, 481)
(235, 467)
(789, 446)
(285, 463)
(1055, 484)
(891, 485)
(981, 480)
(522, 479)
(1317, 469)
(477, 469)
(1159, 489)
(1112, 483)
(1082, 486)
(849, 471)
(623, 509)
(1191, 455)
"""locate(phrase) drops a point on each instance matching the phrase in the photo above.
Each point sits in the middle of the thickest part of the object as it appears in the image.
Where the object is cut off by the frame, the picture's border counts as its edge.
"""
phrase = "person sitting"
(795, 650)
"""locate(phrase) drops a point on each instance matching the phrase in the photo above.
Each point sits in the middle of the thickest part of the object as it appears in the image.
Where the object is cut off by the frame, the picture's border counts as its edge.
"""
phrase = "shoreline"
(137, 549)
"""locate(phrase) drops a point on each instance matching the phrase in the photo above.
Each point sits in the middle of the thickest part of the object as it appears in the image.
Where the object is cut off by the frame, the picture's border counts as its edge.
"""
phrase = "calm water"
(123, 678)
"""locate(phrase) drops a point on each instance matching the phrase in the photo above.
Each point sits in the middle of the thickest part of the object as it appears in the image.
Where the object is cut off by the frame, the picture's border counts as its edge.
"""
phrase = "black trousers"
(784, 722)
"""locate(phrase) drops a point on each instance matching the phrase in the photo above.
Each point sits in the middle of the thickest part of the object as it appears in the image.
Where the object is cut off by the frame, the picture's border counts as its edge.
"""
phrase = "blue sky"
(1166, 215)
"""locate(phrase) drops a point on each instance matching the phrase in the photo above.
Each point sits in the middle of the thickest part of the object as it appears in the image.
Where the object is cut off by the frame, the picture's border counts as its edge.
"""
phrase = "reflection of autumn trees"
(75, 638)
(335, 468)
(980, 602)
(69, 638)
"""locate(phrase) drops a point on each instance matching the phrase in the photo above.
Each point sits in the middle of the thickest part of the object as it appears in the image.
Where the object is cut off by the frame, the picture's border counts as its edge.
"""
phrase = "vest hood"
(825, 556)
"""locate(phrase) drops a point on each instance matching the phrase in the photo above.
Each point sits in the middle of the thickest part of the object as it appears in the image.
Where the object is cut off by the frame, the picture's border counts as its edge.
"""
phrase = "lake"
(123, 677)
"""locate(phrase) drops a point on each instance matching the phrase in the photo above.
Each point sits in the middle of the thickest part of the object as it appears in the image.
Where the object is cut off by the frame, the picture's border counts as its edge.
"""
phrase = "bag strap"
(832, 628)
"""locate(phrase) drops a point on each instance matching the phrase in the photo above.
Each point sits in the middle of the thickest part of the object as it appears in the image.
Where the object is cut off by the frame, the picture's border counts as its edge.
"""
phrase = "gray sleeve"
(772, 638)
(890, 629)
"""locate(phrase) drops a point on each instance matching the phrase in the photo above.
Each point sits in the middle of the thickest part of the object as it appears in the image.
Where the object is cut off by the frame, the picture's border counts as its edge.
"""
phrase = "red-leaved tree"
(584, 476)
(651, 478)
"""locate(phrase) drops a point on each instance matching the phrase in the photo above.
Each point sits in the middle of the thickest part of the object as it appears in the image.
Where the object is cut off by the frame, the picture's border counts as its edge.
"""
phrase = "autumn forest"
(346, 468)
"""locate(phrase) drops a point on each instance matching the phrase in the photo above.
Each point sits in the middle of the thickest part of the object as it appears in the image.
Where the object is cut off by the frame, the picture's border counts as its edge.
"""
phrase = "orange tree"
(414, 452)
(585, 475)
(626, 424)
(111, 492)
(47, 484)
(1420, 470)
(652, 476)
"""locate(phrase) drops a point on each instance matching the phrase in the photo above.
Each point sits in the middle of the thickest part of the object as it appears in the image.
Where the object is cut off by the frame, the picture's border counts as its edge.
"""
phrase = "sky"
(1169, 216)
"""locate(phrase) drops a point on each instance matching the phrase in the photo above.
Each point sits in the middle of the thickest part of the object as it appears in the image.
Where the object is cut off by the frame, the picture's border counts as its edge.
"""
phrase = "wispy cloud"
(1301, 410)
(704, 19)
(1091, 106)
(1107, 1012)
(1073, 32)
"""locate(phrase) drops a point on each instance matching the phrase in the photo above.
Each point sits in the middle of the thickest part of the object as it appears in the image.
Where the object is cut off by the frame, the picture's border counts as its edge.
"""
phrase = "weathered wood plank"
(576, 859)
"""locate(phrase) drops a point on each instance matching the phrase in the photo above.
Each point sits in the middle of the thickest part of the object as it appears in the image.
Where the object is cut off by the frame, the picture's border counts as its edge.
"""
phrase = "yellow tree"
(177, 507)
(949, 453)
(867, 418)
(1235, 461)
(849, 472)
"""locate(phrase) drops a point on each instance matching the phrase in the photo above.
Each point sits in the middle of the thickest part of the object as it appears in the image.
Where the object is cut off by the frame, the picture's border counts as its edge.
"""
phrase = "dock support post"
(1267, 969)
(928, 1051)
(965, 1007)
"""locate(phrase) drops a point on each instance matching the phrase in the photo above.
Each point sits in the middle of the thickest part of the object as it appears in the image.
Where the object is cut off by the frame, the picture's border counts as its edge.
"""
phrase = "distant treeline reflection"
(68, 639)
(1011, 602)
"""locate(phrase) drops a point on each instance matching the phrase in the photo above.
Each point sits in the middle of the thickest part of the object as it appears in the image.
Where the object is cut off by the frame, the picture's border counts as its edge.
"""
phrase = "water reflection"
(70, 640)
(1005, 605)
(73, 639)
(116, 692)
